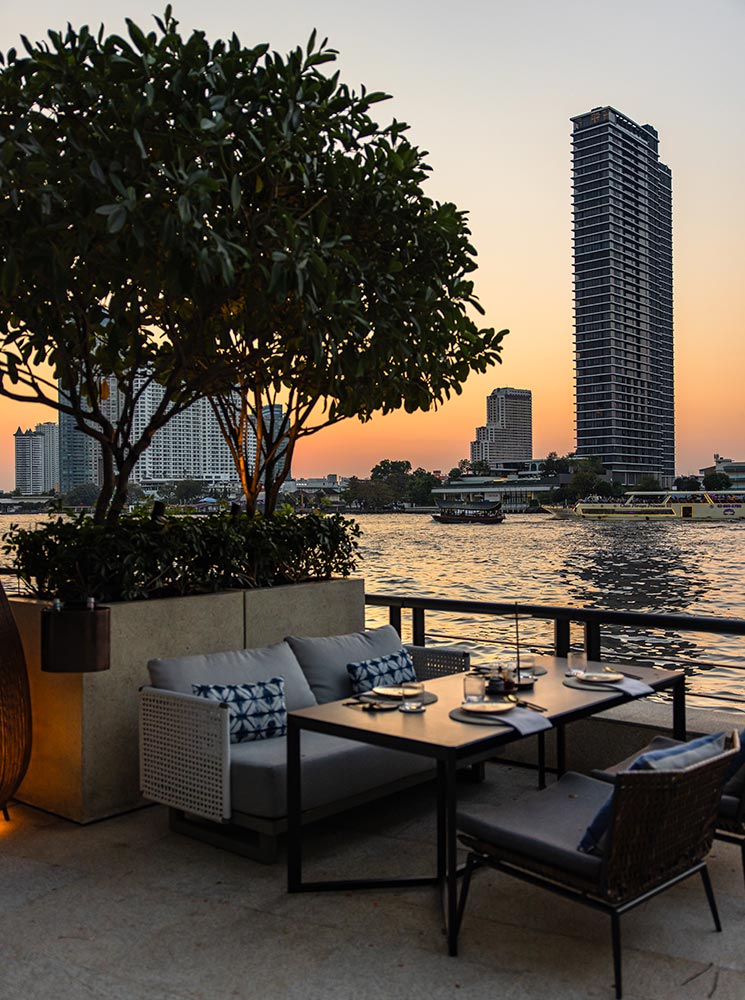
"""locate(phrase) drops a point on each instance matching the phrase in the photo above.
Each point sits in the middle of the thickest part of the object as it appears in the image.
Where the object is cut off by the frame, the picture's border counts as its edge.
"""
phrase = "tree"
(84, 495)
(480, 468)
(188, 489)
(648, 484)
(687, 484)
(717, 481)
(421, 484)
(356, 295)
(118, 255)
(396, 475)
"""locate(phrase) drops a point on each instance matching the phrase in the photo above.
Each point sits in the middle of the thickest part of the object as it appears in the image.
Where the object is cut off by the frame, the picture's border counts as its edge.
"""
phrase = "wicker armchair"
(434, 661)
(661, 828)
(730, 819)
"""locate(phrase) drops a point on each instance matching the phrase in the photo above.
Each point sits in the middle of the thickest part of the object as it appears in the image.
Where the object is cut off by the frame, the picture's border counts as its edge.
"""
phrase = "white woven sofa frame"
(185, 763)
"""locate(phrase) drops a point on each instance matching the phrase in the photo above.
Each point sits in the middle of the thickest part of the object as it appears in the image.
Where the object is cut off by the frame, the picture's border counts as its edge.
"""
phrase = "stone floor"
(126, 910)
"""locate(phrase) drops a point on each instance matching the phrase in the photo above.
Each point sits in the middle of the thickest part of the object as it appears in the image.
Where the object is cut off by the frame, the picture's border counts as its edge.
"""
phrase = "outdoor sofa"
(234, 795)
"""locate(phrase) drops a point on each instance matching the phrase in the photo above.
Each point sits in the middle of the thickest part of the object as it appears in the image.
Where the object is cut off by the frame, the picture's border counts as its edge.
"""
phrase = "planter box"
(85, 754)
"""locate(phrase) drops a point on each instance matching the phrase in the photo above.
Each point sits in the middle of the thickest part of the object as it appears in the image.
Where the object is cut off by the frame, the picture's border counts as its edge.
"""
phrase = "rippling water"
(694, 569)
(682, 568)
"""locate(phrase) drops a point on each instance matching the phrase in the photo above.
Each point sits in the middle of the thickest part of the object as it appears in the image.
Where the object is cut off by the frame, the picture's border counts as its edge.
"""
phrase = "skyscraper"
(623, 293)
(508, 433)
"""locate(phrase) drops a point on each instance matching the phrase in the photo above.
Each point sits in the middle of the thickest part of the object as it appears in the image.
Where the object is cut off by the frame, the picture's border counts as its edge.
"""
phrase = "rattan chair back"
(430, 662)
(662, 823)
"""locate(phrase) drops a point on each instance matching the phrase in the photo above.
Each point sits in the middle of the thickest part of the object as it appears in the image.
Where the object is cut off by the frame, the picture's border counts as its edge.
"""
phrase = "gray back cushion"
(239, 666)
(324, 660)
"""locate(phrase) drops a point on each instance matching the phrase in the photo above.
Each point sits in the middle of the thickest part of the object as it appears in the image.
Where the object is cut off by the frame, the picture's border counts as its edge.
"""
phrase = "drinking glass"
(413, 695)
(577, 663)
(474, 687)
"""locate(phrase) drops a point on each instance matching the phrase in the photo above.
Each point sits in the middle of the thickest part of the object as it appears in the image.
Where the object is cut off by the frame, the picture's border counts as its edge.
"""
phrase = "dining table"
(453, 744)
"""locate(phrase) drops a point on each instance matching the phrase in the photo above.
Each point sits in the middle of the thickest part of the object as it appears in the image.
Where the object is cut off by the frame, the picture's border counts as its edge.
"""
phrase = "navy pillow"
(682, 755)
(383, 671)
(593, 840)
(257, 711)
(669, 759)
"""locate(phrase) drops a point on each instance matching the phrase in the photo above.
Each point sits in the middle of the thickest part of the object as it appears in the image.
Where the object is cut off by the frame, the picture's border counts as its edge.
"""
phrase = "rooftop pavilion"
(123, 909)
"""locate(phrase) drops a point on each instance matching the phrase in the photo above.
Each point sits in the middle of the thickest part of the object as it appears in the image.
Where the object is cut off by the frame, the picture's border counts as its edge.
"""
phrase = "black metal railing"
(592, 619)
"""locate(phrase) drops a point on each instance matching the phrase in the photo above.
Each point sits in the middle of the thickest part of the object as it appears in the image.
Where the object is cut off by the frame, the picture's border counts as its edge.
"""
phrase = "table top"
(434, 728)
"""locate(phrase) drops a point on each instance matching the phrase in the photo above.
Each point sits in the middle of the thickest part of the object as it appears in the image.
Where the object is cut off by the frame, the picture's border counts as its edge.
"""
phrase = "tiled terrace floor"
(125, 910)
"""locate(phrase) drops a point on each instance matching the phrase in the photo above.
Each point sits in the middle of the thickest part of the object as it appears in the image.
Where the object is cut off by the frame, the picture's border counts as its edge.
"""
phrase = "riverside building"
(622, 201)
(508, 433)
(37, 459)
(190, 446)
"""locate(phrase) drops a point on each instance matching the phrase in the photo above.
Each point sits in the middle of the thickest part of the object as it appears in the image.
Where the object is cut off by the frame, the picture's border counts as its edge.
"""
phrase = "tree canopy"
(356, 295)
(117, 263)
(717, 481)
(221, 221)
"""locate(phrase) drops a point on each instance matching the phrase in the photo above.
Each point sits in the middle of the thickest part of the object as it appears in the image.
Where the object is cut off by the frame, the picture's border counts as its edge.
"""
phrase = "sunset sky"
(488, 87)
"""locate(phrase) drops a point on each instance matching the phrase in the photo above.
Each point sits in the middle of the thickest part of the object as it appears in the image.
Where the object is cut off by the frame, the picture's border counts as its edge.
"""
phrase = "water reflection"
(683, 569)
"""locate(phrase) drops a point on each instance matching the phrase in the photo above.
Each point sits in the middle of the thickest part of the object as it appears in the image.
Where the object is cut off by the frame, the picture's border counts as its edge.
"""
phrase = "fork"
(521, 703)
(612, 670)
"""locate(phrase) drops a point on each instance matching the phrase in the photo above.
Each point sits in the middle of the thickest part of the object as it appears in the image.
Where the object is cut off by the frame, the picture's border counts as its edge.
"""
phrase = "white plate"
(487, 707)
(389, 692)
(593, 677)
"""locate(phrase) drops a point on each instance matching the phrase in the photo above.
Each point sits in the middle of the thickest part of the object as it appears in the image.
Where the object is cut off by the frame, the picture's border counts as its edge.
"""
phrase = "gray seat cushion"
(238, 666)
(324, 659)
(333, 769)
(545, 826)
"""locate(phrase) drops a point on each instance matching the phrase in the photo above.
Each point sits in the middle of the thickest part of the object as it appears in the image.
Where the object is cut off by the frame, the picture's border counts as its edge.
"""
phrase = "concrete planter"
(84, 760)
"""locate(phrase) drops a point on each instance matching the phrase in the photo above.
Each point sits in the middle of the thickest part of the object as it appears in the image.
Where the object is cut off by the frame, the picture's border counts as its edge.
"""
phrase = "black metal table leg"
(679, 709)
(451, 846)
(294, 793)
(441, 824)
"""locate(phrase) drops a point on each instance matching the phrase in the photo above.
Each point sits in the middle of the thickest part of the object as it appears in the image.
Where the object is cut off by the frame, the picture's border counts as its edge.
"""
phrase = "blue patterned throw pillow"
(257, 711)
(383, 671)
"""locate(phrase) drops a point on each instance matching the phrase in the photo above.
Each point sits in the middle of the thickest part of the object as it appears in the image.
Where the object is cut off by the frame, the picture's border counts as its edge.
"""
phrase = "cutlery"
(612, 670)
(521, 703)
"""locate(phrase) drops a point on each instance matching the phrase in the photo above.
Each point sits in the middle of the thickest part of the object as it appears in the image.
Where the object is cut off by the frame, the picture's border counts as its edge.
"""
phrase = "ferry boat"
(708, 505)
(460, 511)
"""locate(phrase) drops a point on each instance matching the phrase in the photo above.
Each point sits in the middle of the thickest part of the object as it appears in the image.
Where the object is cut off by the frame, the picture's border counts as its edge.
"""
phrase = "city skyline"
(489, 90)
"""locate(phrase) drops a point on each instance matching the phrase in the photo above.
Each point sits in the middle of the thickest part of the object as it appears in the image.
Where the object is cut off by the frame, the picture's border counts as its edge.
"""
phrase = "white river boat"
(708, 505)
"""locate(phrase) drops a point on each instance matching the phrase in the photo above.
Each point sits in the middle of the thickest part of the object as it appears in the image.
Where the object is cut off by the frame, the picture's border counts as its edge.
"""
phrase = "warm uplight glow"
(490, 89)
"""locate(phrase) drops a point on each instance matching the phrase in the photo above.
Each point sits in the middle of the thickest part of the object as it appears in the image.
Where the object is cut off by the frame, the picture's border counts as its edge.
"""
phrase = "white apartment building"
(508, 433)
(37, 459)
(190, 446)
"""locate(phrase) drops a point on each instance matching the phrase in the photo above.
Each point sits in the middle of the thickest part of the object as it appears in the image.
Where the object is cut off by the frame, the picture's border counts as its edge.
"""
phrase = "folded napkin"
(628, 685)
(523, 720)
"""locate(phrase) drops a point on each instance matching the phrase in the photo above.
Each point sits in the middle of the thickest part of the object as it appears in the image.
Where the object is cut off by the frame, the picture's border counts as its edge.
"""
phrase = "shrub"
(142, 557)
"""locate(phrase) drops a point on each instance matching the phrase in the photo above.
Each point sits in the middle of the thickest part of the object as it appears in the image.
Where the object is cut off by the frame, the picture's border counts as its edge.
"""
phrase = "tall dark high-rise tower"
(623, 295)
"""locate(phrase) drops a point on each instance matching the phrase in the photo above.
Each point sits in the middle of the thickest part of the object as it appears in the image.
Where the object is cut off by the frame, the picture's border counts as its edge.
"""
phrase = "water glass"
(474, 687)
(412, 696)
(577, 663)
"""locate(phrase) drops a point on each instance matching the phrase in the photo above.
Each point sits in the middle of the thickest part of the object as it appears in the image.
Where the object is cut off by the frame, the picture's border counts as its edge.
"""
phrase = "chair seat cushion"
(324, 659)
(544, 827)
(333, 769)
(235, 666)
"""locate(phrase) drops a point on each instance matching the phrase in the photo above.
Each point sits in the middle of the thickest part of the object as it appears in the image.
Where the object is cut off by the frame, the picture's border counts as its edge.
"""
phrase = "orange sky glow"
(488, 88)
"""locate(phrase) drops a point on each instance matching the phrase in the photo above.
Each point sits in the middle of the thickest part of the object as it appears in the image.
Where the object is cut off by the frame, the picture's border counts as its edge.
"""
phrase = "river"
(640, 566)
(696, 569)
